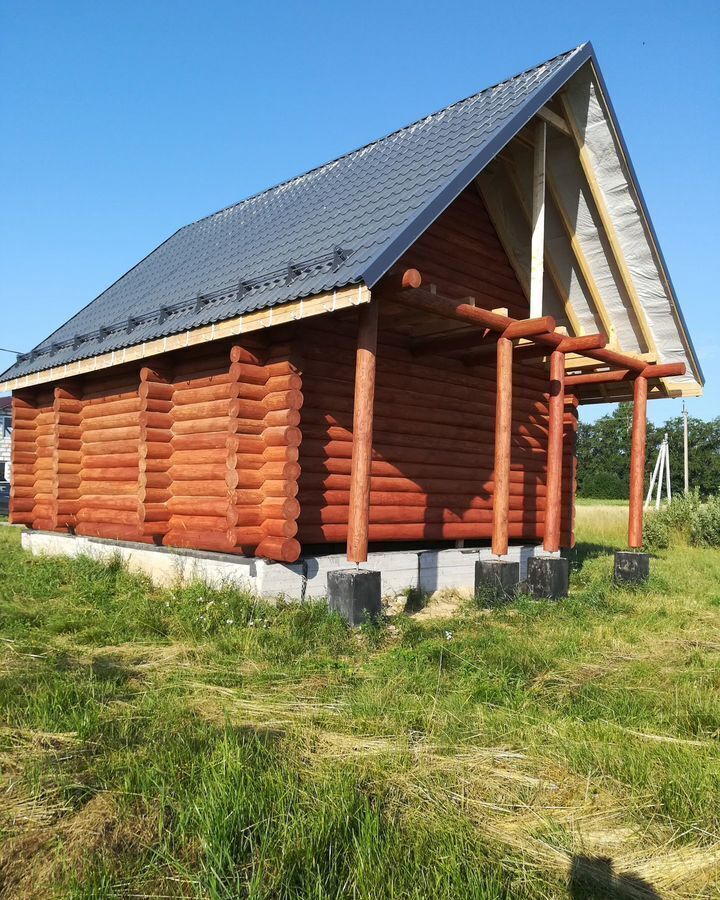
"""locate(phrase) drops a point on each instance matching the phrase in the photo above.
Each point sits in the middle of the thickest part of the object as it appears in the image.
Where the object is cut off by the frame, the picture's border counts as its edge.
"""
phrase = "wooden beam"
(667, 370)
(553, 502)
(608, 225)
(503, 428)
(552, 118)
(537, 254)
(637, 463)
(365, 361)
(581, 260)
(460, 312)
(419, 298)
(467, 339)
(584, 343)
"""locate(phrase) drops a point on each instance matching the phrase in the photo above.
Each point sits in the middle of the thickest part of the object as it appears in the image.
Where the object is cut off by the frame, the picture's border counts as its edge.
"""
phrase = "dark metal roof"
(345, 222)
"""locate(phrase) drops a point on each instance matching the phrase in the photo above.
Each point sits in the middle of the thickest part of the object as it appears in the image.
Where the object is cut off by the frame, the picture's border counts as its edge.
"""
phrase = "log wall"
(433, 446)
(196, 450)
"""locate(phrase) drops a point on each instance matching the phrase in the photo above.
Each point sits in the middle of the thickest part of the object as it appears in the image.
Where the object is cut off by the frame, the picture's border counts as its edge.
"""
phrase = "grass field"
(194, 743)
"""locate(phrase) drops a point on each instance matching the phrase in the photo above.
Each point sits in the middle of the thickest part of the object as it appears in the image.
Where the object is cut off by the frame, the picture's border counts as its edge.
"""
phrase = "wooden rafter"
(552, 118)
(581, 260)
(608, 225)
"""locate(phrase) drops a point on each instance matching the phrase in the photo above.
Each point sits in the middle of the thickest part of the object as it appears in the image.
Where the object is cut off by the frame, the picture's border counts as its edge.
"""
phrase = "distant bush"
(656, 532)
(705, 525)
(688, 518)
(603, 486)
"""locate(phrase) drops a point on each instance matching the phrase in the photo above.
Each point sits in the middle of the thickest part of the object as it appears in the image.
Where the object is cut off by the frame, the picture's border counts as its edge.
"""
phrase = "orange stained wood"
(553, 507)
(637, 462)
(365, 365)
(503, 435)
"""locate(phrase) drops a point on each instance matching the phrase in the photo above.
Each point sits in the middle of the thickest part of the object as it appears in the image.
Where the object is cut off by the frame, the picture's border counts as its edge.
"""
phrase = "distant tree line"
(603, 450)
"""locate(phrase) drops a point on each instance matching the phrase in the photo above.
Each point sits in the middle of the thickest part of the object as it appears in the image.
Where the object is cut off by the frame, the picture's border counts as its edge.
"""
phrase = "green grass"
(198, 743)
(592, 501)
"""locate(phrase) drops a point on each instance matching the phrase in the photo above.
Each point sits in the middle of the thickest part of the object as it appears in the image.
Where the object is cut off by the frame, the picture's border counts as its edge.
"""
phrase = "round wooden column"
(553, 502)
(637, 463)
(503, 426)
(358, 514)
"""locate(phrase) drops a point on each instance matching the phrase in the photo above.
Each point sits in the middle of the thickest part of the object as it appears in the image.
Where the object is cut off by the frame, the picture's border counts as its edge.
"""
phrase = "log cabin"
(389, 350)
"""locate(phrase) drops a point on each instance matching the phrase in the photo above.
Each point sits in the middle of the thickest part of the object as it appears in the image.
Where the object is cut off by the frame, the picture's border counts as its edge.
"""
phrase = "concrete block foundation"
(548, 577)
(631, 567)
(356, 594)
(400, 570)
(496, 580)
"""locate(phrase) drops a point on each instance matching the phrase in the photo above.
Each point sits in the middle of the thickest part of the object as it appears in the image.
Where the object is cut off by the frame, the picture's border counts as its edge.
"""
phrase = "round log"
(221, 542)
(278, 548)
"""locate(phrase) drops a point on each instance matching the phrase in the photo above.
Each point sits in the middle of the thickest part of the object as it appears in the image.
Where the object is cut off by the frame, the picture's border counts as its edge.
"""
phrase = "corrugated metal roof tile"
(370, 202)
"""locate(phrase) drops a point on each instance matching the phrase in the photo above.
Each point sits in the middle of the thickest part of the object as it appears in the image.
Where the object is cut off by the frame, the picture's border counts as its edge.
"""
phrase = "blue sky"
(122, 122)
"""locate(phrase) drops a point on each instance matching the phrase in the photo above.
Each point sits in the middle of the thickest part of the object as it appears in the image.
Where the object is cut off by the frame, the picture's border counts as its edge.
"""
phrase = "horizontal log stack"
(111, 435)
(24, 459)
(233, 465)
(67, 408)
(45, 439)
(281, 438)
(204, 447)
(156, 400)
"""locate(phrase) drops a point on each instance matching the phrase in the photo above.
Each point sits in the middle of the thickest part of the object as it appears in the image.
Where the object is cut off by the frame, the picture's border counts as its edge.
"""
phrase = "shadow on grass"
(584, 551)
(595, 878)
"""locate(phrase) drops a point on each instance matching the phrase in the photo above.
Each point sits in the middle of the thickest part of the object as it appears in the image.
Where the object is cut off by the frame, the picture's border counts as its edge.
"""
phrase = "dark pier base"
(355, 594)
(631, 567)
(547, 576)
(496, 580)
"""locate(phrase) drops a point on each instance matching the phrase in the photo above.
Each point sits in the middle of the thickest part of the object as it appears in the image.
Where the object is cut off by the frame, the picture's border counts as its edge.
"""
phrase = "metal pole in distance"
(658, 495)
(685, 449)
(653, 479)
(668, 488)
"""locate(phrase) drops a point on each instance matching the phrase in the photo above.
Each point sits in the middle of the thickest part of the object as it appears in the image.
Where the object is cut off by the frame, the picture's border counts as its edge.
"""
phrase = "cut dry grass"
(198, 743)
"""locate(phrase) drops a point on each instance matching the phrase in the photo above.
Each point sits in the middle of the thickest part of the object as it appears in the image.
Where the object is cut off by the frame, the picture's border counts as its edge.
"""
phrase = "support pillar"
(365, 361)
(637, 463)
(553, 502)
(503, 426)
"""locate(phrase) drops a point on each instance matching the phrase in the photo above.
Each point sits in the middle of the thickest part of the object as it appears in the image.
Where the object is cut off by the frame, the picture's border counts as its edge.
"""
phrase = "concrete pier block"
(355, 594)
(631, 567)
(548, 576)
(496, 579)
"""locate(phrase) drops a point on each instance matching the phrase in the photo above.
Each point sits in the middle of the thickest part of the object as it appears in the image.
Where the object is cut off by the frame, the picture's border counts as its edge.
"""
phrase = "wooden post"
(637, 463)
(358, 514)
(553, 503)
(538, 222)
(503, 425)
